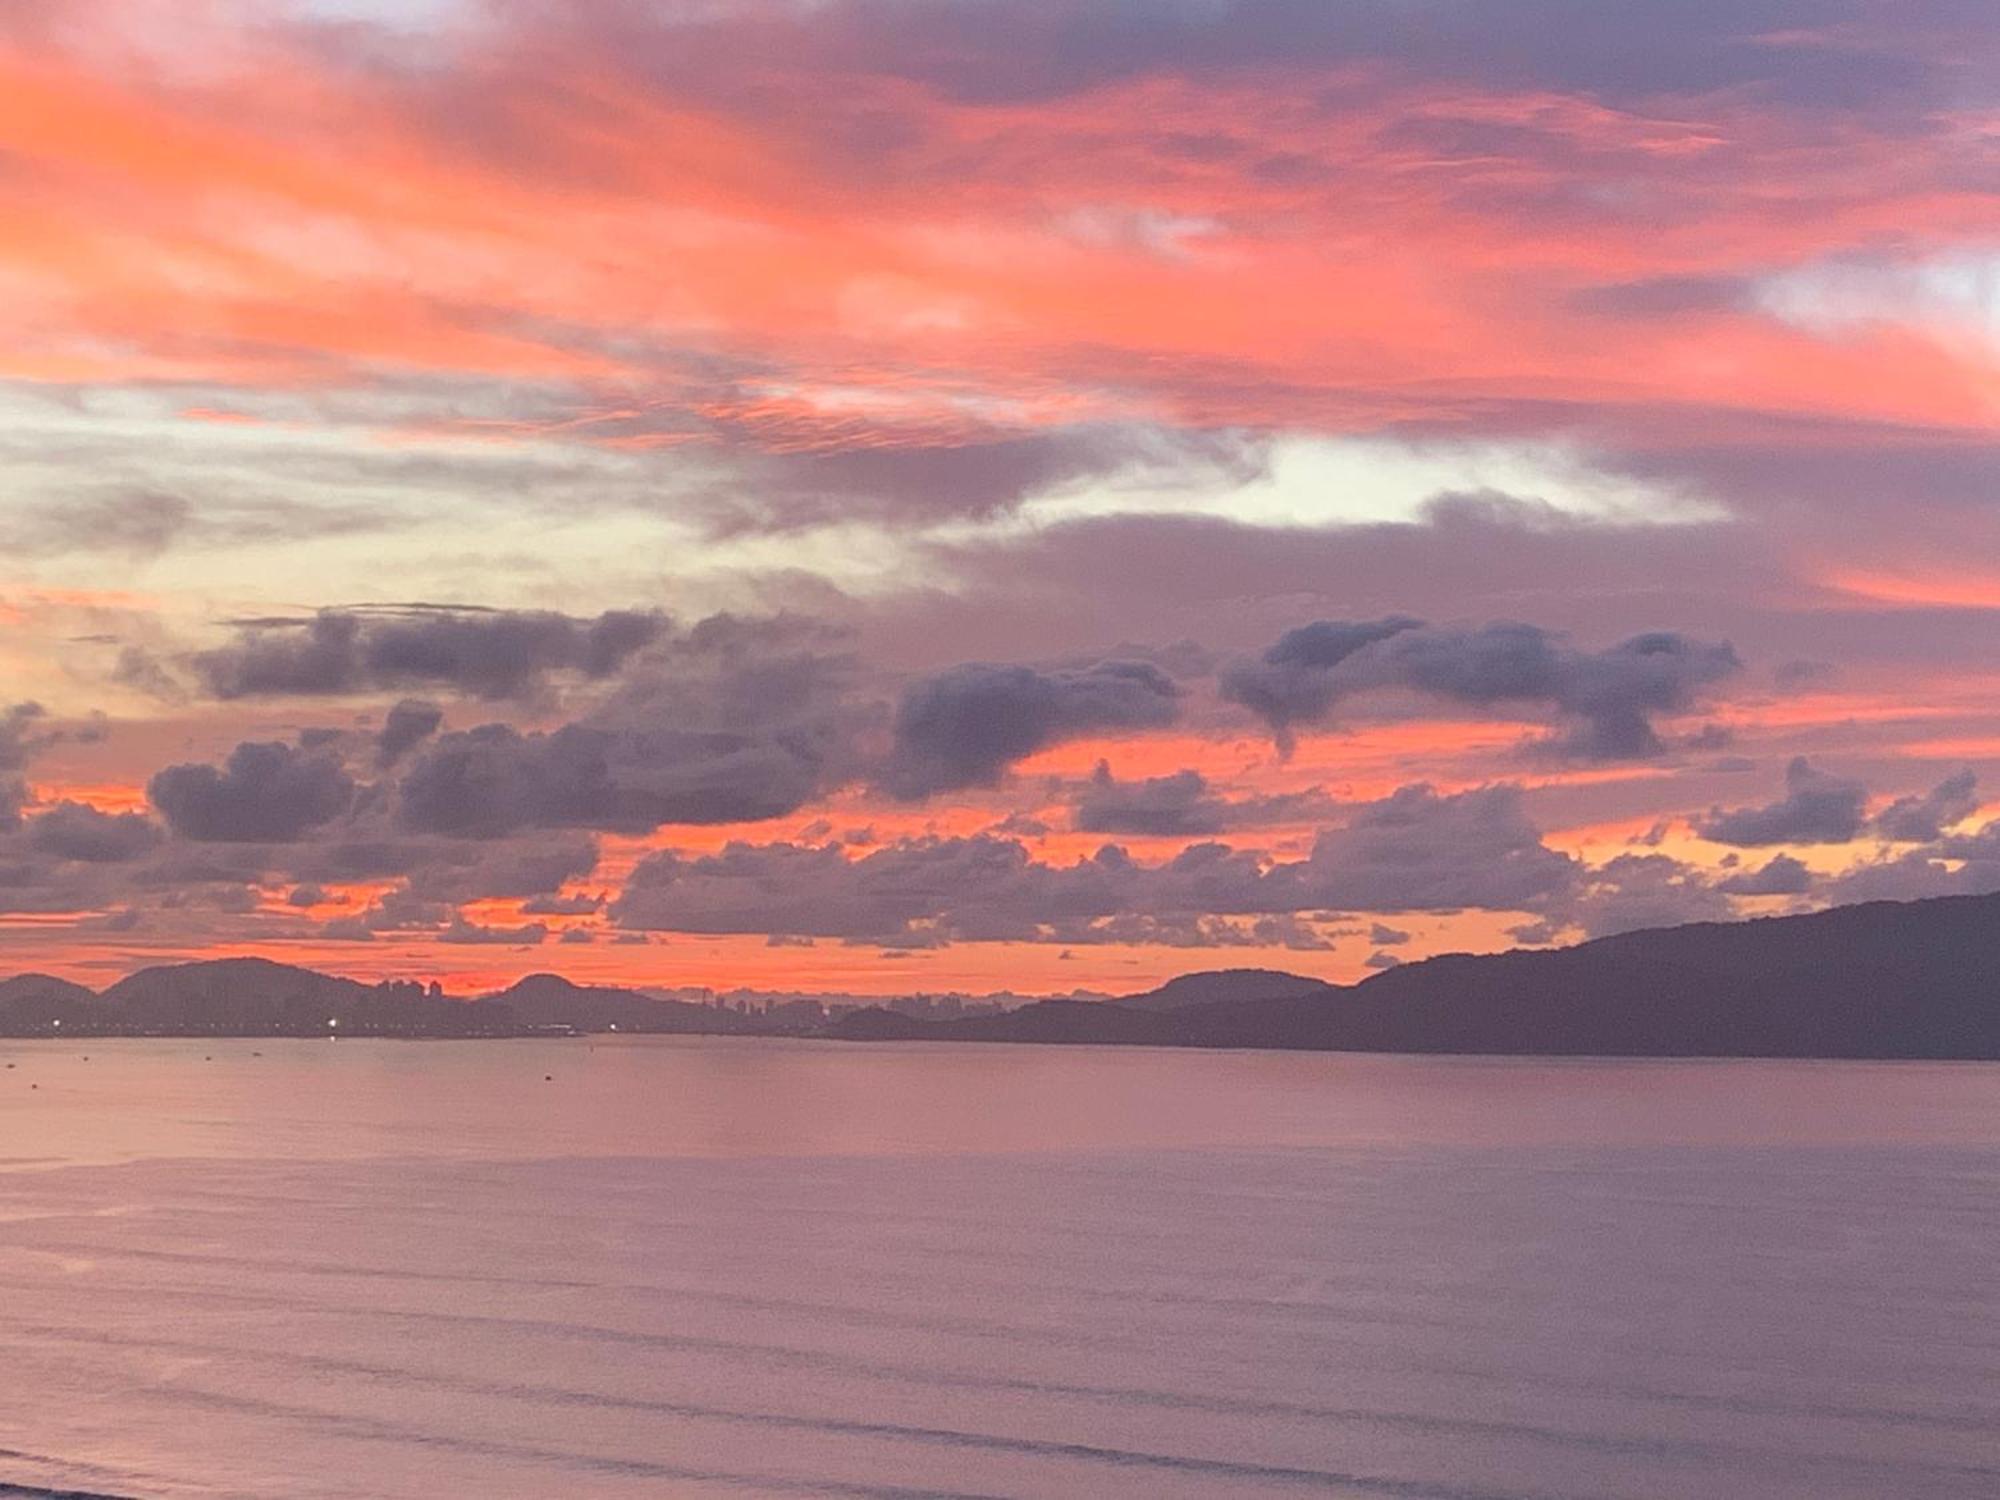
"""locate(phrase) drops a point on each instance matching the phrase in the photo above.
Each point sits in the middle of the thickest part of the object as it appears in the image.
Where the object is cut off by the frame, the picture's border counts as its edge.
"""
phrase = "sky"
(890, 495)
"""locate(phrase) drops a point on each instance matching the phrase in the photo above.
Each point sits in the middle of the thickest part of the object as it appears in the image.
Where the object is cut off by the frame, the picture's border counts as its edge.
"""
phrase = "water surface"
(654, 1266)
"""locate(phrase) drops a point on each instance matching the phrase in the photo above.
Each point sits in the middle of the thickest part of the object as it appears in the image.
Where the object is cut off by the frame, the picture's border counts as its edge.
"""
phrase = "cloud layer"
(979, 483)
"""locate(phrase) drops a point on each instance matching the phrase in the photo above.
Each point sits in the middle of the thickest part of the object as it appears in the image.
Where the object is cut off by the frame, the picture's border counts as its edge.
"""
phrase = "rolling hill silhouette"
(1916, 979)
(1886, 979)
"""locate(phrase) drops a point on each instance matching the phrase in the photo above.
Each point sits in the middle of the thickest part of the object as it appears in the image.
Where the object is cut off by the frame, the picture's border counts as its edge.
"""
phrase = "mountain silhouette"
(1917, 979)
(546, 1000)
(38, 1002)
(1223, 986)
(256, 997)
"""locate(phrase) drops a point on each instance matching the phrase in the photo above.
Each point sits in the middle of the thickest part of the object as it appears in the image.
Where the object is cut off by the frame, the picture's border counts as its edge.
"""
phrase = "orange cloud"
(1929, 589)
(286, 219)
(110, 797)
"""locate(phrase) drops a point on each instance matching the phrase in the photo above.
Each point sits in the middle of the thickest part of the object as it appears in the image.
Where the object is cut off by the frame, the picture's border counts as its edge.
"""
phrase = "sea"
(623, 1266)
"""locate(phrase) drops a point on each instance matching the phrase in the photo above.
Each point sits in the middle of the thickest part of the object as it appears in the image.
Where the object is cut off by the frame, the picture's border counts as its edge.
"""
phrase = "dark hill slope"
(1888, 979)
(1224, 986)
(551, 1000)
(1916, 979)
(255, 997)
(32, 1003)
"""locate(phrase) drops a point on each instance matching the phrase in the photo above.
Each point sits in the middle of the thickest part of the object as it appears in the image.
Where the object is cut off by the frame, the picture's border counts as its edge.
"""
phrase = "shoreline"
(1089, 1044)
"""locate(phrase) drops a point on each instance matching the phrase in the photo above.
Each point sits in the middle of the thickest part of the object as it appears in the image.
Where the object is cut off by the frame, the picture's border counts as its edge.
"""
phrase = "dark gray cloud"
(18, 743)
(779, 488)
(1604, 700)
(1966, 864)
(347, 854)
(1846, 468)
(1817, 808)
(31, 882)
(1415, 850)
(563, 906)
(143, 672)
(434, 873)
(1236, 584)
(118, 919)
(491, 654)
(1815, 54)
(401, 910)
(1781, 875)
(530, 867)
(180, 865)
(739, 721)
(927, 892)
(142, 524)
(271, 814)
(968, 725)
(264, 793)
(463, 930)
(1420, 850)
(891, 894)
(1193, 930)
(1920, 820)
(19, 737)
(75, 830)
(1183, 805)
(1635, 891)
(494, 780)
(406, 725)
(1294, 681)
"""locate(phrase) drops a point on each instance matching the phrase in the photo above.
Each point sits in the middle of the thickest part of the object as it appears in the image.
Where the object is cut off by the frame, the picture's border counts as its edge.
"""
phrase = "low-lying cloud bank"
(426, 804)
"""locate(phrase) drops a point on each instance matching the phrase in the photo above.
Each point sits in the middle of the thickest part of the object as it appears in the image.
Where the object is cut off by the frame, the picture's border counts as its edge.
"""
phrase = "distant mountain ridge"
(256, 997)
(1917, 979)
(37, 1001)
(1223, 987)
(545, 1000)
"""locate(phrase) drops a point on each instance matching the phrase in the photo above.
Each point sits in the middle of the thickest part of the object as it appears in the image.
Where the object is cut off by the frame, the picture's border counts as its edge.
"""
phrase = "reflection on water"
(715, 1096)
(722, 1267)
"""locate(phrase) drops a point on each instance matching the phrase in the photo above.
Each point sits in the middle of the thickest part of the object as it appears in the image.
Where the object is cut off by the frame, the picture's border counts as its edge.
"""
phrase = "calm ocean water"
(653, 1267)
